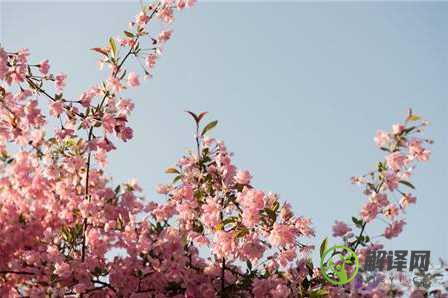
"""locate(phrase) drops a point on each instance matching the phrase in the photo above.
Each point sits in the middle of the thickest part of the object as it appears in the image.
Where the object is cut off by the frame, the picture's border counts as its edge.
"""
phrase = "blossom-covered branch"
(65, 230)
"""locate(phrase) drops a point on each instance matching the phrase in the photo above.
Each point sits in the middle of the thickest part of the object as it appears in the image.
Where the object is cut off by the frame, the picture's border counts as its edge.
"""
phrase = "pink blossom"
(252, 199)
(286, 256)
(418, 293)
(109, 123)
(391, 180)
(417, 151)
(380, 199)
(251, 217)
(369, 211)
(261, 287)
(124, 107)
(382, 138)
(125, 134)
(56, 108)
(280, 291)
(340, 229)
(164, 36)
(391, 211)
(114, 84)
(211, 215)
(166, 15)
(181, 4)
(243, 177)
(286, 212)
(101, 158)
(87, 96)
(282, 235)
(60, 81)
(164, 212)
(224, 244)
(133, 80)
(398, 128)
(407, 199)
(396, 160)
(3, 63)
(394, 229)
(190, 3)
(252, 249)
(142, 18)
(44, 67)
(151, 60)
(163, 189)
(303, 225)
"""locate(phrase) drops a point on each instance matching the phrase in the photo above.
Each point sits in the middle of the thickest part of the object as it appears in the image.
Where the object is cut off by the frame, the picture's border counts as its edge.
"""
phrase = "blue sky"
(299, 90)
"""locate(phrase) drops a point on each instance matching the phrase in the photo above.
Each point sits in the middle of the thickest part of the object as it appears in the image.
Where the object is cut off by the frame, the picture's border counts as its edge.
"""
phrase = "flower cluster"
(387, 188)
(59, 216)
(215, 207)
(389, 192)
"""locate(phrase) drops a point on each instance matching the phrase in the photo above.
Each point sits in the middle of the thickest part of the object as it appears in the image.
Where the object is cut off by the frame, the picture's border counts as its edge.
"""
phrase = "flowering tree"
(66, 231)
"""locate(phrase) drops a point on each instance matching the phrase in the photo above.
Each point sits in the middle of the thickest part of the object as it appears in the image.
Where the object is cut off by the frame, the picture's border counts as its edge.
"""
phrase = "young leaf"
(413, 118)
(171, 171)
(201, 115)
(129, 34)
(229, 220)
(195, 117)
(408, 184)
(177, 178)
(323, 246)
(100, 50)
(113, 46)
(249, 265)
(409, 129)
(208, 127)
(358, 222)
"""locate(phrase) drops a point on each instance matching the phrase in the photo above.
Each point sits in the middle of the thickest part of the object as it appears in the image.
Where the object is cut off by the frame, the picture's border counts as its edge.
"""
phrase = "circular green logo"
(339, 265)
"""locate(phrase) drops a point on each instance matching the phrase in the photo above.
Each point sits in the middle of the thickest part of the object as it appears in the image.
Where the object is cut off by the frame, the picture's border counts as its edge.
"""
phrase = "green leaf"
(409, 129)
(249, 265)
(100, 50)
(129, 34)
(323, 247)
(413, 118)
(358, 222)
(113, 47)
(241, 233)
(320, 293)
(171, 171)
(271, 213)
(208, 127)
(276, 206)
(408, 184)
(177, 178)
(229, 220)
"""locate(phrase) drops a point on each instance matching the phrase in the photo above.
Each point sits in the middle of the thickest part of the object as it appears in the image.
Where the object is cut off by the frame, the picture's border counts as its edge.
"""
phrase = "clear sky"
(299, 90)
